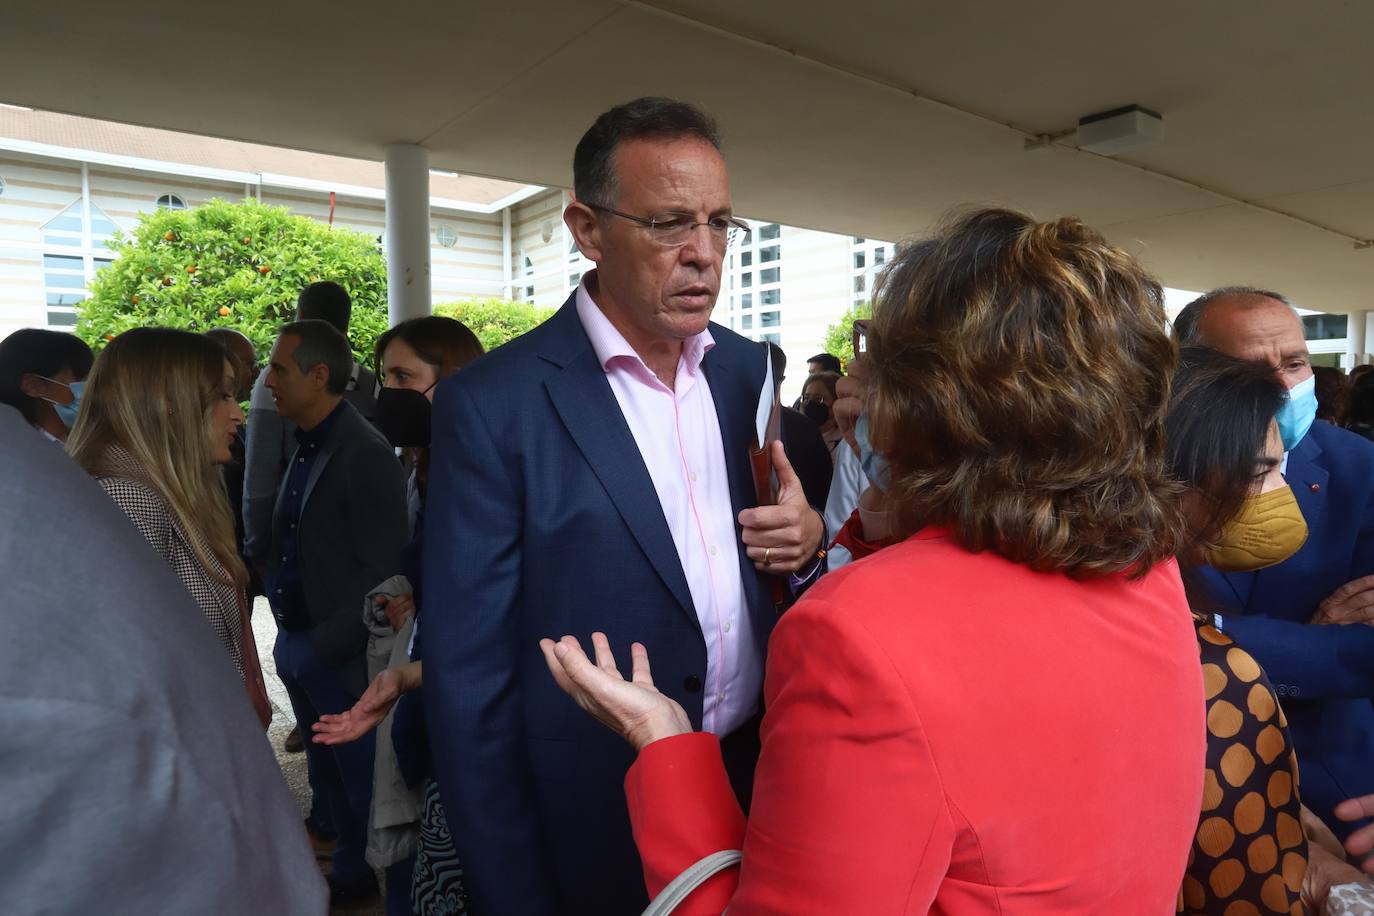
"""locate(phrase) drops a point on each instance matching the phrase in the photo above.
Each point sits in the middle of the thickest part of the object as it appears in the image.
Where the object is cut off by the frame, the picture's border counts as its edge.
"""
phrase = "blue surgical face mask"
(67, 412)
(1297, 412)
(874, 465)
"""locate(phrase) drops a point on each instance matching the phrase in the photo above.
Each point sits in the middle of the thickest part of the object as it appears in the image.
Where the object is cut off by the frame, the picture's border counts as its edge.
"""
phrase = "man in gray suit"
(136, 779)
(339, 529)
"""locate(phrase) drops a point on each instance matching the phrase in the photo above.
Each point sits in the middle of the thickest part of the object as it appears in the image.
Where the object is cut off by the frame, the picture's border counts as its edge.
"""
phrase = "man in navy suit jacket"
(1284, 615)
(594, 475)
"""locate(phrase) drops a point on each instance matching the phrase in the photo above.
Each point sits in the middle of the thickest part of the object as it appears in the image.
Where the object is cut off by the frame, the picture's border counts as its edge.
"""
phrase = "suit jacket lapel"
(1309, 483)
(584, 400)
(735, 401)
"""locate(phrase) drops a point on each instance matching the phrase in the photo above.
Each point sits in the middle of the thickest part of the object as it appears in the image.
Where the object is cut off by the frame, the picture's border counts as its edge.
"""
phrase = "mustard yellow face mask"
(1268, 530)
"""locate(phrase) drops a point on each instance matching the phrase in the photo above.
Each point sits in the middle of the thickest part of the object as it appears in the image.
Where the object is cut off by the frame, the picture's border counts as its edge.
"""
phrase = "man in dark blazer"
(1286, 615)
(594, 475)
(339, 529)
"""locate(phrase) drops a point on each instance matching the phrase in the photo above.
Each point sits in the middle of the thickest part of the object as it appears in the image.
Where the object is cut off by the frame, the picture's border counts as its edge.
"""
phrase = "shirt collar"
(315, 437)
(612, 347)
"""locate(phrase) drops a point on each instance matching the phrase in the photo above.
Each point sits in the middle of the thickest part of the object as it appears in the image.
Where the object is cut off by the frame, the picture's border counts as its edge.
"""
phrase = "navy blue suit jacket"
(1324, 675)
(541, 519)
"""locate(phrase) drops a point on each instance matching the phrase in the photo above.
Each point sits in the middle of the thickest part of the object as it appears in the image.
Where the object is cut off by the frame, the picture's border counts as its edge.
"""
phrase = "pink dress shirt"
(678, 434)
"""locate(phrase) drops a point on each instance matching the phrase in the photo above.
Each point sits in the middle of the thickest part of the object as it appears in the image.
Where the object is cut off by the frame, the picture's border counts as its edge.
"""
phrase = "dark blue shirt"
(286, 591)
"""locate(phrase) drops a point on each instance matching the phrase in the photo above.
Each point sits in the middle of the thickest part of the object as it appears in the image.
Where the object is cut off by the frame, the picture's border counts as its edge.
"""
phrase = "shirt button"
(300, 461)
(712, 550)
(283, 558)
(293, 492)
(722, 698)
(293, 526)
(692, 476)
(726, 628)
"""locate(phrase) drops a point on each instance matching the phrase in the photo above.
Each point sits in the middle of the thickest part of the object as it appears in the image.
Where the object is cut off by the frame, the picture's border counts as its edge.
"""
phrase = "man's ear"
(585, 228)
(33, 385)
(319, 376)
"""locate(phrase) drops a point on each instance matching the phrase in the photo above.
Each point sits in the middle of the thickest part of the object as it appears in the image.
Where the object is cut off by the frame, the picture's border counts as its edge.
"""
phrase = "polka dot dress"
(1249, 856)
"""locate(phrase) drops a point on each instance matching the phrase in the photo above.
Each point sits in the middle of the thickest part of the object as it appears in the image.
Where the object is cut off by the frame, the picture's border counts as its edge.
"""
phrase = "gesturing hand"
(370, 709)
(398, 609)
(633, 709)
(1362, 840)
(782, 538)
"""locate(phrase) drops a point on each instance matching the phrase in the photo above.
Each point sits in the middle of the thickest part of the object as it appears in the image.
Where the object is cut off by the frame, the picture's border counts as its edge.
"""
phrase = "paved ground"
(292, 765)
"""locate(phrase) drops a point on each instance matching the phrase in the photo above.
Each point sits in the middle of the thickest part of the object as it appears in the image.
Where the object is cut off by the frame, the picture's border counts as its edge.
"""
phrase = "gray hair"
(1188, 324)
(321, 344)
(594, 178)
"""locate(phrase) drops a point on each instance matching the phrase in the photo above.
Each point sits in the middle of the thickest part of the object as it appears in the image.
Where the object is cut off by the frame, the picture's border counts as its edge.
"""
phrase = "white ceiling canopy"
(864, 117)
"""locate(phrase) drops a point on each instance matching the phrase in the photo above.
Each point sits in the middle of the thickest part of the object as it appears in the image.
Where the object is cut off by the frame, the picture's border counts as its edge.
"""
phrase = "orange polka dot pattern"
(1249, 855)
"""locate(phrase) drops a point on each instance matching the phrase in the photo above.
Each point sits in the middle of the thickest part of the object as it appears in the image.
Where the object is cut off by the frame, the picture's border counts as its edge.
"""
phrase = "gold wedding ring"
(766, 552)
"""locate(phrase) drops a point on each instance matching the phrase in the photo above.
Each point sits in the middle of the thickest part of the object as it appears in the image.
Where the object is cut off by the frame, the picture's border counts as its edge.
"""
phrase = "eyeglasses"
(673, 230)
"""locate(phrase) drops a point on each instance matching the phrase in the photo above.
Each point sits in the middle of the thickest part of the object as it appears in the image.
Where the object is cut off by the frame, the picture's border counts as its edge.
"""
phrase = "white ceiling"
(864, 117)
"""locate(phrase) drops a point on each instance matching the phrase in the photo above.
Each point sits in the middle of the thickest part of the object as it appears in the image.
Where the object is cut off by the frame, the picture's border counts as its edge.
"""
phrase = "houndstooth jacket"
(219, 599)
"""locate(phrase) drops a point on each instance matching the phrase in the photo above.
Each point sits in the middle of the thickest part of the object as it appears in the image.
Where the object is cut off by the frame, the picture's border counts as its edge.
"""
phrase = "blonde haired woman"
(158, 416)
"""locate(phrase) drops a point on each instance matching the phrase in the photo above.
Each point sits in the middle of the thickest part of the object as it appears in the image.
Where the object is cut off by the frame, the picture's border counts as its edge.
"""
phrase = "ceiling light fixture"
(1120, 130)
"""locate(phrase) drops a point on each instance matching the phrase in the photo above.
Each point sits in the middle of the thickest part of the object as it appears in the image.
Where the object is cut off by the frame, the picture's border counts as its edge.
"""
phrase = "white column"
(507, 256)
(1355, 324)
(86, 260)
(407, 231)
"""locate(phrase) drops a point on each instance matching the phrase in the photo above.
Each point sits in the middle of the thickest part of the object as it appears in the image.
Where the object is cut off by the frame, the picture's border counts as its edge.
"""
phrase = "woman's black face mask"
(403, 416)
(816, 411)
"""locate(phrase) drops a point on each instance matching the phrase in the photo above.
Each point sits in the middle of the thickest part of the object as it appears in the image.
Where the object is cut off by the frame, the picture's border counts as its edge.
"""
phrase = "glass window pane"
(768, 254)
(770, 319)
(880, 256)
(67, 222)
(66, 299)
(771, 297)
(858, 260)
(858, 240)
(62, 262)
(746, 280)
(772, 338)
(61, 241)
(62, 319)
(747, 322)
(746, 301)
(859, 283)
(746, 258)
(771, 231)
(65, 281)
(771, 275)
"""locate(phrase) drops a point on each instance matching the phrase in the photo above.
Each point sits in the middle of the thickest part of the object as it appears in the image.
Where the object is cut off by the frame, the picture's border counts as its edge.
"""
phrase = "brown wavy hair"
(1021, 379)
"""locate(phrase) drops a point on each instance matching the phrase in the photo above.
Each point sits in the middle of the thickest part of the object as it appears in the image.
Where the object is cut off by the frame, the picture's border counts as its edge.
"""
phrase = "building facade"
(67, 184)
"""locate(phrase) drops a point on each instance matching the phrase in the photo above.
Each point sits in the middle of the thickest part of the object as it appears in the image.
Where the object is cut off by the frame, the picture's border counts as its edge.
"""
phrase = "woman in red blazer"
(1004, 712)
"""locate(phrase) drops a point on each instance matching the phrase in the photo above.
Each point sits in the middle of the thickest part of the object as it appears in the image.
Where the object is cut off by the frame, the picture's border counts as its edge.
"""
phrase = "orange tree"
(236, 265)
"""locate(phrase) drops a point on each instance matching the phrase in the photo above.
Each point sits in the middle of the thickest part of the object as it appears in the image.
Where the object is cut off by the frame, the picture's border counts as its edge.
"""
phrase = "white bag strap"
(692, 878)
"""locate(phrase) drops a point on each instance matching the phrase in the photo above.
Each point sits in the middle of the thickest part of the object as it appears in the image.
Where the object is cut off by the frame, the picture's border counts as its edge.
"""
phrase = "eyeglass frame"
(732, 223)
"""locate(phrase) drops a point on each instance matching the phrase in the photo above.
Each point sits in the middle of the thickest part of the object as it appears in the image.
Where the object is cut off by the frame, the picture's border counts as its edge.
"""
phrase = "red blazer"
(950, 732)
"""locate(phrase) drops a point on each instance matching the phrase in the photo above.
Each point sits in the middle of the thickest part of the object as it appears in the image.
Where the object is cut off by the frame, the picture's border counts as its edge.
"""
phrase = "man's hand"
(398, 610)
(633, 709)
(1362, 840)
(1353, 602)
(782, 539)
(365, 715)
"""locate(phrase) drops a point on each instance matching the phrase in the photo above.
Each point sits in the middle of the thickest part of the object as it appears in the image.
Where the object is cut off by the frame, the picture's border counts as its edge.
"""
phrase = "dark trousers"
(343, 772)
(398, 880)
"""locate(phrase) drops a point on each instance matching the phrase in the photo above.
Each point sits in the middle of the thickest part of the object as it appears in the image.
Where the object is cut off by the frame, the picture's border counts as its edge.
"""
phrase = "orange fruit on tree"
(190, 268)
(224, 311)
(264, 269)
(170, 235)
(134, 300)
